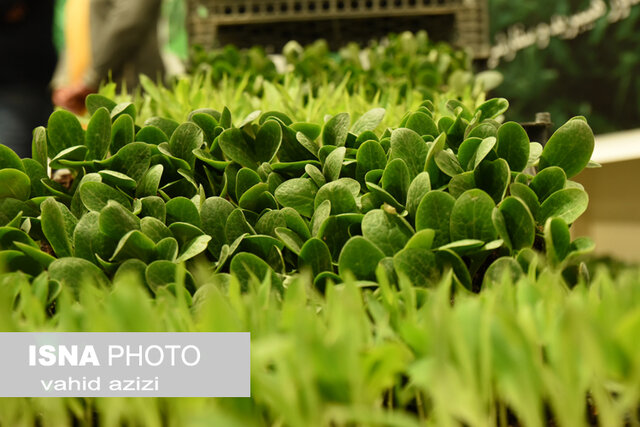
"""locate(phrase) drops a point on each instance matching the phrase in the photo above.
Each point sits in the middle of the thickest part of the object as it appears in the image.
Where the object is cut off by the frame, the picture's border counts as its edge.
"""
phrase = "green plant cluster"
(447, 188)
(232, 62)
(407, 60)
(350, 245)
(397, 74)
(531, 353)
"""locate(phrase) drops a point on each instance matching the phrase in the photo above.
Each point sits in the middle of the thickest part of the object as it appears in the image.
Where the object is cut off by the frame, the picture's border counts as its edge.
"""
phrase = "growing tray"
(275, 22)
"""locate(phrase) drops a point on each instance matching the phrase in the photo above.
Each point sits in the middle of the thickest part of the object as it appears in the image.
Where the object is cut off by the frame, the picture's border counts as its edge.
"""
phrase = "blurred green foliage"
(597, 74)
(175, 13)
(407, 61)
(525, 354)
(396, 74)
(58, 24)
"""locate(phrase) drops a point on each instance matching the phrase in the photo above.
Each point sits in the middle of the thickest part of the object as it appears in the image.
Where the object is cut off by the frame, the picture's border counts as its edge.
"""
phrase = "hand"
(72, 97)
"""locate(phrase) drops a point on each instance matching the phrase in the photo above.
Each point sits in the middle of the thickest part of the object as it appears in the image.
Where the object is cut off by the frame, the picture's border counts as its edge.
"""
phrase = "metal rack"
(274, 22)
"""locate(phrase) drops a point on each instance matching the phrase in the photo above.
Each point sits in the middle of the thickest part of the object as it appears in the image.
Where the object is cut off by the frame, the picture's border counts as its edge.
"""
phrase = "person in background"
(28, 58)
(124, 44)
(75, 57)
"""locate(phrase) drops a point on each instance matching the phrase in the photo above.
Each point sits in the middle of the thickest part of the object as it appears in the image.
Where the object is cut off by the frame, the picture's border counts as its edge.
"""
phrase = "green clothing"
(124, 40)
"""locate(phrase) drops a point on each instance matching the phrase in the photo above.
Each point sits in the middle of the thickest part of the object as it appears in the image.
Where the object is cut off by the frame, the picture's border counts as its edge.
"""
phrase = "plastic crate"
(250, 22)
